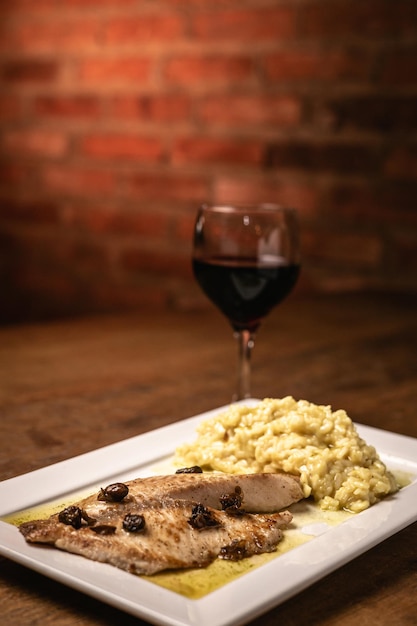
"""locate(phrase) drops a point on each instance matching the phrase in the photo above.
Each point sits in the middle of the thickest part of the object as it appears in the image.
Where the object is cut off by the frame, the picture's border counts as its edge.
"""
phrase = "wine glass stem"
(246, 341)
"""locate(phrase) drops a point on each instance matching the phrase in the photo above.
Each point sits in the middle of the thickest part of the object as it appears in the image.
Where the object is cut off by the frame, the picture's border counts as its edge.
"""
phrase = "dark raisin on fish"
(74, 516)
(71, 516)
(201, 518)
(134, 523)
(195, 469)
(115, 492)
(231, 502)
(104, 529)
(236, 551)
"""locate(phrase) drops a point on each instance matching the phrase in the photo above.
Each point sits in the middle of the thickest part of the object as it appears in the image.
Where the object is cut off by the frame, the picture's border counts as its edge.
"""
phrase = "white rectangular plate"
(233, 604)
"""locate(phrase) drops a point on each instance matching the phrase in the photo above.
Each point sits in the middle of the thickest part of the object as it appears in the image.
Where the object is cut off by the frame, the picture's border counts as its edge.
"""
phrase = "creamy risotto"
(336, 467)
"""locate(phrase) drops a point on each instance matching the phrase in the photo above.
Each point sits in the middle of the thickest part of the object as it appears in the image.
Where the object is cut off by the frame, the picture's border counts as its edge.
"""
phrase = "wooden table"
(68, 387)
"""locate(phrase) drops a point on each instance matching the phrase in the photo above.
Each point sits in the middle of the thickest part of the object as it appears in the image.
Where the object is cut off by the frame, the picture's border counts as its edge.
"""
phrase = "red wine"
(245, 290)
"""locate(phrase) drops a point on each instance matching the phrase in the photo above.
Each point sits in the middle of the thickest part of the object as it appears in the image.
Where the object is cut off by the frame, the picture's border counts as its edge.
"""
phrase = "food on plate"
(167, 522)
(336, 467)
(261, 493)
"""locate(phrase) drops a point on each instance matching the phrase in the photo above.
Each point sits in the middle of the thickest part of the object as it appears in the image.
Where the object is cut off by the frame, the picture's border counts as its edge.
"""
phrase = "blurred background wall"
(119, 117)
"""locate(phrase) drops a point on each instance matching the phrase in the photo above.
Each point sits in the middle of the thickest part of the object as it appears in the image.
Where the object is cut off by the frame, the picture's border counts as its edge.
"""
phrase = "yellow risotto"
(336, 467)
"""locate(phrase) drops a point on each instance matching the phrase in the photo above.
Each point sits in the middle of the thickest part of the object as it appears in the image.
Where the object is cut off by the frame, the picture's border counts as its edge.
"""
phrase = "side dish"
(336, 467)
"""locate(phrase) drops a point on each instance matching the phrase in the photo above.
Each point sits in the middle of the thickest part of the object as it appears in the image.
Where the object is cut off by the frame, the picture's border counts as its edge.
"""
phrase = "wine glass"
(246, 260)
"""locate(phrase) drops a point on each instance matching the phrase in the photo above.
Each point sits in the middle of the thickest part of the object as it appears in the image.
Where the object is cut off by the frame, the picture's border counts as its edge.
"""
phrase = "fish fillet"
(262, 493)
(159, 524)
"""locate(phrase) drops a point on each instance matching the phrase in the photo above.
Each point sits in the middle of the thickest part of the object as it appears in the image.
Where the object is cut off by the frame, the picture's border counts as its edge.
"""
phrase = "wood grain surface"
(67, 387)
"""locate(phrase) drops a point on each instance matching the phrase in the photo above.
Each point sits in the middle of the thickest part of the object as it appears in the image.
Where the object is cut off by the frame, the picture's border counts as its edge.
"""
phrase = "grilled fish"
(144, 526)
(262, 493)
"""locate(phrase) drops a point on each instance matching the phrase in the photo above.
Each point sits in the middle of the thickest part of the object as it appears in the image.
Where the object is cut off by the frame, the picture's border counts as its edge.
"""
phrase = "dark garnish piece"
(134, 523)
(115, 492)
(104, 529)
(71, 516)
(195, 469)
(74, 516)
(231, 502)
(202, 518)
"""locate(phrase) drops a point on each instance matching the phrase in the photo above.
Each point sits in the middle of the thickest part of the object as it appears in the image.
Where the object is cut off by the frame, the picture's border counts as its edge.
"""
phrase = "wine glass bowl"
(246, 260)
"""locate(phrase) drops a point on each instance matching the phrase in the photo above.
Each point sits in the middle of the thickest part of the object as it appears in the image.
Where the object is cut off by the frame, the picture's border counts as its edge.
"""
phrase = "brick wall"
(119, 117)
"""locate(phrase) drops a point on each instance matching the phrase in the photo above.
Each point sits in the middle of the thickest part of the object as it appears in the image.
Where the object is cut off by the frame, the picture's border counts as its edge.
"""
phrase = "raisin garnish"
(134, 523)
(201, 518)
(74, 516)
(104, 529)
(195, 469)
(115, 492)
(71, 516)
(236, 551)
(231, 502)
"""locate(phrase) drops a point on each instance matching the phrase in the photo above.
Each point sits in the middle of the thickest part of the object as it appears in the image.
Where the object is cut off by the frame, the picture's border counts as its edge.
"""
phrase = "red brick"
(67, 253)
(12, 173)
(118, 70)
(82, 181)
(342, 158)
(401, 163)
(320, 279)
(67, 106)
(368, 204)
(37, 211)
(305, 197)
(136, 260)
(217, 151)
(352, 202)
(360, 250)
(399, 198)
(184, 227)
(29, 71)
(100, 3)
(114, 220)
(374, 112)
(126, 146)
(45, 292)
(208, 70)
(399, 67)
(51, 36)
(373, 18)
(10, 107)
(153, 107)
(246, 25)
(251, 109)
(301, 64)
(54, 273)
(49, 6)
(173, 187)
(77, 256)
(139, 294)
(37, 142)
(403, 256)
(146, 28)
